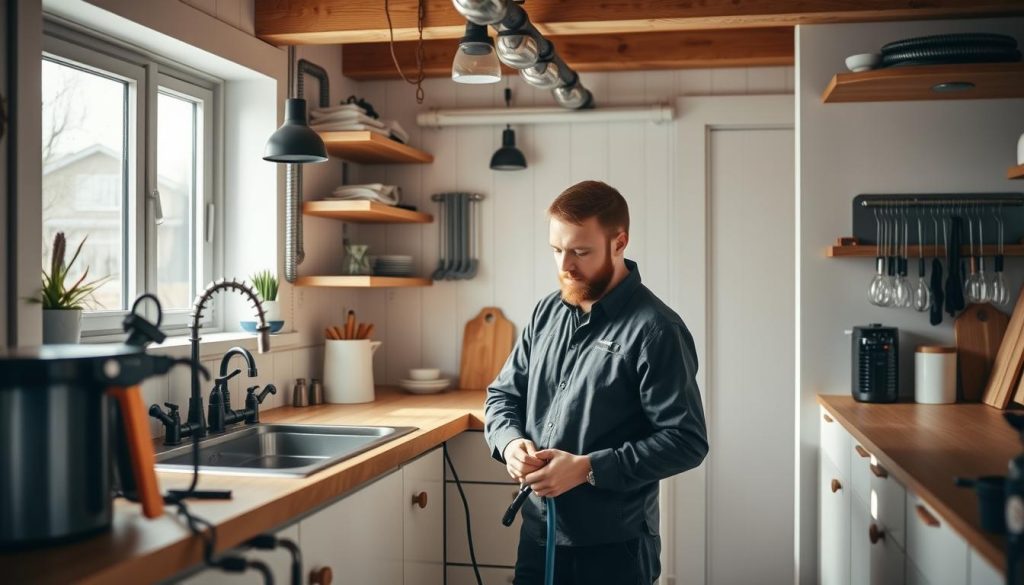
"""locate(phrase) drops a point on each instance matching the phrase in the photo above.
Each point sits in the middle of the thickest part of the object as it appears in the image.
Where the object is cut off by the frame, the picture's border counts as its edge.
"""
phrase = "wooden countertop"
(137, 550)
(925, 446)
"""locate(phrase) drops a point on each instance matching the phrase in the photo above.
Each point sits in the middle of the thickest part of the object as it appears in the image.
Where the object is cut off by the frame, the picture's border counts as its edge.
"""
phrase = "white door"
(735, 287)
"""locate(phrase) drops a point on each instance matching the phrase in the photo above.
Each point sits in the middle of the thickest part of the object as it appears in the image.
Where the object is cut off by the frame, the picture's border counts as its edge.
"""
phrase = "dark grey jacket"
(616, 384)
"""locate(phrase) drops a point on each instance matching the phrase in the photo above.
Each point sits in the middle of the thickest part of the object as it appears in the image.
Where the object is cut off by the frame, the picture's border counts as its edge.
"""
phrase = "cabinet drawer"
(888, 502)
(982, 572)
(489, 576)
(860, 471)
(494, 544)
(472, 459)
(939, 552)
(835, 442)
(833, 526)
(873, 563)
(424, 550)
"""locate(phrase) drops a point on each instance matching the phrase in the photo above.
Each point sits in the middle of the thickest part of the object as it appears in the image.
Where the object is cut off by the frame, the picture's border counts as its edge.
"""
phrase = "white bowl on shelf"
(863, 62)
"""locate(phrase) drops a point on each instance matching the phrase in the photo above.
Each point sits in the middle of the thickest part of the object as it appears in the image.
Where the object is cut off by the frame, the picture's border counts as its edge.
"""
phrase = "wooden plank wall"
(423, 327)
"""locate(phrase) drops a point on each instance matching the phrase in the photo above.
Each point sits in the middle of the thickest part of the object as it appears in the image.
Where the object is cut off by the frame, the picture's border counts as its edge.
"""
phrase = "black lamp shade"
(508, 157)
(294, 141)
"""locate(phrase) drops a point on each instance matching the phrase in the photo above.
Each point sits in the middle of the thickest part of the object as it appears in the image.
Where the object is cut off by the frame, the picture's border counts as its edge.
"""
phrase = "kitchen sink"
(278, 450)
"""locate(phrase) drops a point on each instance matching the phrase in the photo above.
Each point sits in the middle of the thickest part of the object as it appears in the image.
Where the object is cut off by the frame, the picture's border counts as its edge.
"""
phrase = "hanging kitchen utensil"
(979, 330)
(922, 296)
(486, 344)
(474, 234)
(938, 294)
(442, 250)
(954, 283)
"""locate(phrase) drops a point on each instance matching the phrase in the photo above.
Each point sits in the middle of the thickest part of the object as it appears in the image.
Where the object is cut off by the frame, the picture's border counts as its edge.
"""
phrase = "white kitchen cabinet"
(875, 556)
(279, 561)
(493, 542)
(834, 525)
(835, 442)
(360, 536)
(423, 523)
(934, 547)
(473, 461)
(458, 575)
(982, 572)
(887, 503)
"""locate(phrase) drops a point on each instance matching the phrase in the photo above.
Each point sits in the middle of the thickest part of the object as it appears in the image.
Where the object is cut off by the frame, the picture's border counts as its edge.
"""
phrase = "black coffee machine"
(875, 363)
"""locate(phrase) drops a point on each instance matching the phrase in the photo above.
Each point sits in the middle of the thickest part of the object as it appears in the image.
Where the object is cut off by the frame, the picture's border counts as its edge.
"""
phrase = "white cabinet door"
(424, 519)
(982, 572)
(834, 525)
(279, 561)
(493, 543)
(935, 548)
(874, 560)
(360, 536)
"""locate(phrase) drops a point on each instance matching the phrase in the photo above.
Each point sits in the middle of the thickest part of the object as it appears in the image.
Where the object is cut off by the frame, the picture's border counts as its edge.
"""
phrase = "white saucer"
(424, 386)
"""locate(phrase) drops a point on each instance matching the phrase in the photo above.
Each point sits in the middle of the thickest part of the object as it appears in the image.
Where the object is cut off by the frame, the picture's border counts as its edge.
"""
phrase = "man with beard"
(596, 404)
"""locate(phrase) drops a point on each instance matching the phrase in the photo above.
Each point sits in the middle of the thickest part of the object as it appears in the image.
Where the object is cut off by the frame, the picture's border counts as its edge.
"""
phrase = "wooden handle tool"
(350, 325)
(369, 331)
(361, 330)
(140, 448)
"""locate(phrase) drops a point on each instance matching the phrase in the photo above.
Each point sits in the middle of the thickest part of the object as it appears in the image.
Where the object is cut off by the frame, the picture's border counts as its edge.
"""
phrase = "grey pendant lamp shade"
(508, 157)
(295, 141)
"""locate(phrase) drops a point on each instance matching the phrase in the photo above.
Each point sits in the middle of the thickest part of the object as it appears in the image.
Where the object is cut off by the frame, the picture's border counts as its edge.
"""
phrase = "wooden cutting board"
(1002, 383)
(486, 344)
(979, 330)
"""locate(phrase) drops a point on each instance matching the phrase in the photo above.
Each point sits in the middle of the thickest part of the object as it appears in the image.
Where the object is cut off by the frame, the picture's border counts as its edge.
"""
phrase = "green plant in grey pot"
(62, 303)
(266, 286)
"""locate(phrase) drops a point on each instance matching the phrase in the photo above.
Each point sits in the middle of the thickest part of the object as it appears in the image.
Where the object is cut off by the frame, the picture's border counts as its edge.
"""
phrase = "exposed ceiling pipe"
(521, 46)
(493, 116)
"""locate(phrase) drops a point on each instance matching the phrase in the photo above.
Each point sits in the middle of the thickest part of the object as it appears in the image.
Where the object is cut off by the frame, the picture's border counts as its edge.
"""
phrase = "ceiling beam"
(303, 22)
(608, 52)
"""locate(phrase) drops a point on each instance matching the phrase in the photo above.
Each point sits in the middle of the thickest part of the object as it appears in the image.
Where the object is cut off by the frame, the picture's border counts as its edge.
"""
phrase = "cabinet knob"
(827, 418)
(875, 533)
(420, 500)
(862, 452)
(321, 576)
(879, 472)
(836, 486)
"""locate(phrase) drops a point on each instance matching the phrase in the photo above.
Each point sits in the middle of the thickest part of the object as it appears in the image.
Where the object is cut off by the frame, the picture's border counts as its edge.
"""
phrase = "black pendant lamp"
(508, 157)
(295, 141)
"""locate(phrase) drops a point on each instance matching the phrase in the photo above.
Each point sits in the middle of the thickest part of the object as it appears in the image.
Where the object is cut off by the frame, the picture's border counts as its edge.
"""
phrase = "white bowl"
(863, 62)
(421, 374)
(424, 387)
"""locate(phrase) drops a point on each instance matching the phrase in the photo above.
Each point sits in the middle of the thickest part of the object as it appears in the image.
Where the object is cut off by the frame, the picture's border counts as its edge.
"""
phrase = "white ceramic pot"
(62, 326)
(272, 309)
(935, 374)
(348, 370)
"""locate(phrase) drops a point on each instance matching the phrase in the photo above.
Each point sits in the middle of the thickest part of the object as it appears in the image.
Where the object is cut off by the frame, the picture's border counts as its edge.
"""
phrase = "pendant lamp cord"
(420, 75)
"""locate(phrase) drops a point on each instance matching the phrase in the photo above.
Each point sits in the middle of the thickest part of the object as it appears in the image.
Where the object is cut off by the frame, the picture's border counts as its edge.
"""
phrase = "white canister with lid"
(935, 374)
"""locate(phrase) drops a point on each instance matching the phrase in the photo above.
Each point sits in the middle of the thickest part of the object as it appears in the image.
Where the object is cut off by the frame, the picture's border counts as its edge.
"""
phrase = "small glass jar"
(357, 261)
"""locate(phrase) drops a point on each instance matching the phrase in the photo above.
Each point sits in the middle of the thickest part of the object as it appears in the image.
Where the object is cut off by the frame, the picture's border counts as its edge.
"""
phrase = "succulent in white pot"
(62, 304)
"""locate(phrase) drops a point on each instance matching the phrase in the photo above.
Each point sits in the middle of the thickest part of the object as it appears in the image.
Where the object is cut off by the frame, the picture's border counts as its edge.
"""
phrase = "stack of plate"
(424, 386)
(393, 266)
(951, 48)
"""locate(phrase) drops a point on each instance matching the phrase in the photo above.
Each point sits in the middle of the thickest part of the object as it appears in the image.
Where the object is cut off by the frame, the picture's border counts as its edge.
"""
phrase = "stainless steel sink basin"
(277, 449)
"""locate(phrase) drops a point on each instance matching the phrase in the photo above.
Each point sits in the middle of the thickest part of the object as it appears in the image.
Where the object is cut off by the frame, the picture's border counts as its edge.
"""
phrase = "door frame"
(687, 494)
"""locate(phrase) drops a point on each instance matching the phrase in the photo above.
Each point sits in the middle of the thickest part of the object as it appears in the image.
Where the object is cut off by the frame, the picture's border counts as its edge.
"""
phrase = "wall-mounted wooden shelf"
(364, 212)
(1016, 172)
(991, 80)
(362, 281)
(372, 148)
(869, 251)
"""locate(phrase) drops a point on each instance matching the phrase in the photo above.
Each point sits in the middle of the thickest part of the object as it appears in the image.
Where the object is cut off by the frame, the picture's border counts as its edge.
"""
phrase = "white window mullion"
(146, 243)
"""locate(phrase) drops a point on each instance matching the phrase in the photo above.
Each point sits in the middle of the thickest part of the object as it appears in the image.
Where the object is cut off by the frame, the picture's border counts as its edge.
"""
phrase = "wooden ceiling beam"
(303, 22)
(608, 52)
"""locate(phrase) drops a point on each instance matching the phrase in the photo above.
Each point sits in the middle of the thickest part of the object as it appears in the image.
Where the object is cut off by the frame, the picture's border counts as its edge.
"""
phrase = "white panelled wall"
(423, 326)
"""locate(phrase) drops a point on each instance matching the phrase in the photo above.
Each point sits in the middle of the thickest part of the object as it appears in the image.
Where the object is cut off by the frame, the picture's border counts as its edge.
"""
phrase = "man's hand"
(520, 459)
(562, 472)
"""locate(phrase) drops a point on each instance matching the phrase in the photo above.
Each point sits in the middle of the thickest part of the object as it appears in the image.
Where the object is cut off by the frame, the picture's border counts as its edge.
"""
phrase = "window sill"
(213, 345)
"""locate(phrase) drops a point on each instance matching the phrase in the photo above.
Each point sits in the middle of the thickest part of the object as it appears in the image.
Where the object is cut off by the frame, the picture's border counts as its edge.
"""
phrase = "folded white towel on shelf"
(347, 118)
(350, 126)
(342, 109)
(389, 194)
(397, 130)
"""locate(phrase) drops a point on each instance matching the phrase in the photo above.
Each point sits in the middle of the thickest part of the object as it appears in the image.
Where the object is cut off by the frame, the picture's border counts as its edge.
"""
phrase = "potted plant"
(265, 283)
(62, 304)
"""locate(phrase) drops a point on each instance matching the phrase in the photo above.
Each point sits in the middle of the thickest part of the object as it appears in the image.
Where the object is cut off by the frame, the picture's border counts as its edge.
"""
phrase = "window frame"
(146, 75)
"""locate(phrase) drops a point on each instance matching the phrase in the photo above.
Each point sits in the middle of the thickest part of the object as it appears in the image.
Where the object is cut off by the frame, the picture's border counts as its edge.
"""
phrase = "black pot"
(991, 490)
(60, 433)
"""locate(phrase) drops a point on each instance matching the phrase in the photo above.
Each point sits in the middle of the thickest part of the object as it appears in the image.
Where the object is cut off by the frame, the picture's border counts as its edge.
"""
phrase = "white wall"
(885, 147)
(423, 327)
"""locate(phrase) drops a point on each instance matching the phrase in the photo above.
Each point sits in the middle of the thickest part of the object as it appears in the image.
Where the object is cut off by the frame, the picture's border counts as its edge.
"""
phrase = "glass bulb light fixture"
(475, 61)
(517, 49)
(295, 141)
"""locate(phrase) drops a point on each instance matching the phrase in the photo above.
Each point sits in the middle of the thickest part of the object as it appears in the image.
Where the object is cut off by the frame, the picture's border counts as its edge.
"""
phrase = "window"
(128, 168)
